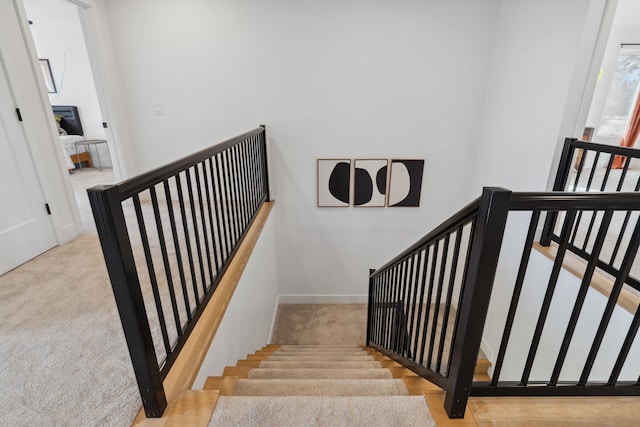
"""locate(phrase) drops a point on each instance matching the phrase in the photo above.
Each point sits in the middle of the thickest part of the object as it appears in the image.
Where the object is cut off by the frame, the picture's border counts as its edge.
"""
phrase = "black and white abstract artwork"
(370, 182)
(405, 183)
(334, 179)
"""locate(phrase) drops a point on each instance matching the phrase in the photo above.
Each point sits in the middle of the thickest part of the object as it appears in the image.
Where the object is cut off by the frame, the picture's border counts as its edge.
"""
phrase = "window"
(622, 95)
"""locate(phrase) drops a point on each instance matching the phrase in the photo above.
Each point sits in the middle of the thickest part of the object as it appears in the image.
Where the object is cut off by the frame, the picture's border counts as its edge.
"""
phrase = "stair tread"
(279, 364)
(372, 373)
(319, 387)
(321, 411)
(316, 357)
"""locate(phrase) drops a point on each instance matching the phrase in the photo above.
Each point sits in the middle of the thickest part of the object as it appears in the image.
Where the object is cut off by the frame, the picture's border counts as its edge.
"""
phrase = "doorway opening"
(618, 88)
(61, 46)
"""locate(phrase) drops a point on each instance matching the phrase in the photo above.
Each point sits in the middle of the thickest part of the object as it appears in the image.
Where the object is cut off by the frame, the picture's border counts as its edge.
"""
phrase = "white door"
(25, 226)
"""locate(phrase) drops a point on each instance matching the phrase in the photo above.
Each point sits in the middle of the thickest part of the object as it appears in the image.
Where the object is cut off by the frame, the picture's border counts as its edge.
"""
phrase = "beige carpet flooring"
(63, 357)
(325, 324)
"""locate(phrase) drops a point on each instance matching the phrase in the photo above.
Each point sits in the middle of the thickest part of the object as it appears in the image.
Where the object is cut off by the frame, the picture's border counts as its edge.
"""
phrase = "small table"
(88, 143)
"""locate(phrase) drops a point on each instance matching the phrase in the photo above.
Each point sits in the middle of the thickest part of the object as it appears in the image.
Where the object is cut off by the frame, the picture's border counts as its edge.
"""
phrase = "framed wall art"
(48, 76)
(370, 182)
(405, 182)
(334, 180)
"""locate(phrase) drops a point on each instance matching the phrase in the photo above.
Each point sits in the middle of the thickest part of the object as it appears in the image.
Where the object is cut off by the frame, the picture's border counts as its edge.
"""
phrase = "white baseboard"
(323, 299)
(274, 320)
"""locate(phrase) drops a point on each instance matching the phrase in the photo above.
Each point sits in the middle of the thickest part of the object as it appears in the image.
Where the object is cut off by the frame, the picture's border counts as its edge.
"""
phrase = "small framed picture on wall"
(48, 76)
(334, 181)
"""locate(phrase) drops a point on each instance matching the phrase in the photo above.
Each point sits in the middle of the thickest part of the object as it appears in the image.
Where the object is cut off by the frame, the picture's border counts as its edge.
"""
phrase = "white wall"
(58, 36)
(533, 62)
(356, 79)
(247, 324)
(479, 90)
(533, 291)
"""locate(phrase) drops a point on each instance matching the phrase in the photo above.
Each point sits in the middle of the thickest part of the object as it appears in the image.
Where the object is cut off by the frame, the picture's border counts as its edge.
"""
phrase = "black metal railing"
(444, 284)
(589, 167)
(549, 357)
(167, 237)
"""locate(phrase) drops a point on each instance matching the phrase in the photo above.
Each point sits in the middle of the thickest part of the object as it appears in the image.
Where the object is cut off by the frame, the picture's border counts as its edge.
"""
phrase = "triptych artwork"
(376, 182)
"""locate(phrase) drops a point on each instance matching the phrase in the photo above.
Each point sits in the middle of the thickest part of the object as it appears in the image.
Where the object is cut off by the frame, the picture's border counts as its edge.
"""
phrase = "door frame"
(598, 24)
(41, 133)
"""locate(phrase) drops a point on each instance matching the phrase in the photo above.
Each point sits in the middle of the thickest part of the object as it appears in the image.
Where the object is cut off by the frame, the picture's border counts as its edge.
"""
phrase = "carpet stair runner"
(310, 386)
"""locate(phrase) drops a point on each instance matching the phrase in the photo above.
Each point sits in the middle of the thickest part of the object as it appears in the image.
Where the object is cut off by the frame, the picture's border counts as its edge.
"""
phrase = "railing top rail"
(614, 149)
(575, 201)
(526, 201)
(138, 183)
(459, 218)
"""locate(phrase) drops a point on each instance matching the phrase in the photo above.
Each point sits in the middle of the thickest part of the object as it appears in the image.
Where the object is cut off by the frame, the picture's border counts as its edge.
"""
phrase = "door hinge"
(104, 125)
(19, 114)
(46, 205)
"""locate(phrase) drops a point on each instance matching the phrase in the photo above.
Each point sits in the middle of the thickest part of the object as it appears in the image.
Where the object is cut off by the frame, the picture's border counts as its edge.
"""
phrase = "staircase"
(308, 385)
(317, 386)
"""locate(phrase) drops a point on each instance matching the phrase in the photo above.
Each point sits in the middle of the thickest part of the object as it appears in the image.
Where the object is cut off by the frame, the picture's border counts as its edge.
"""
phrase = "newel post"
(488, 231)
(370, 307)
(562, 176)
(118, 255)
(265, 163)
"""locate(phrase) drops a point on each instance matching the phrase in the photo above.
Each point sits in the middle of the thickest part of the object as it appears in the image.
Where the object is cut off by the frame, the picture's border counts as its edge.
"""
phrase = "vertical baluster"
(245, 180)
(216, 244)
(427, 319)
(224, 205)
(583, 160)
(196, 234)
(236, 181)
(553, 279)
(406, 306)
(434, 327)
(383, 304)
(423, 283)
(203, 221)
(625, 269)
(414, 300)
(165, 258)
(515, 297)
(398, 305)
(593, 171)
(623, 175)
(231, 201)
(390, 307)
(152, 275)
(234, 193)
(623, 229)
(245, 183)
(187, 239)
(584, 287)
(447, 306)
(607, 172)
(176, 247)
(624, 350)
